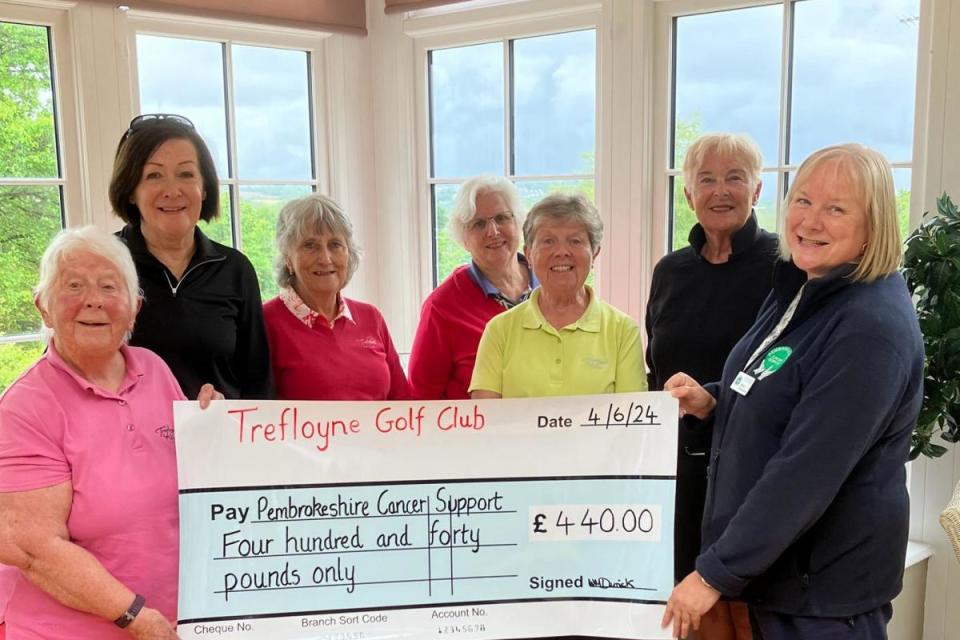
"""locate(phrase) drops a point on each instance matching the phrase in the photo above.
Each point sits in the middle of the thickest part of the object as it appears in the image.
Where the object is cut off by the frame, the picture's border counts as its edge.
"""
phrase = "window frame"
(74, 195)
(665, 13)
(142, 22)
(480, 26)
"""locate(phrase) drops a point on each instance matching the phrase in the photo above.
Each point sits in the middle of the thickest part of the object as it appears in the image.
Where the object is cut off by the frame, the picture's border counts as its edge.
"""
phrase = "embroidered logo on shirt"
(595, 363)
(369, 343)
(772, 362)
(165, 431)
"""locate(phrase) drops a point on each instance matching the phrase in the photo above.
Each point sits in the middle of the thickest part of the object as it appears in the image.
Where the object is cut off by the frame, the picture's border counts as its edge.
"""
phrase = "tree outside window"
(31, 185)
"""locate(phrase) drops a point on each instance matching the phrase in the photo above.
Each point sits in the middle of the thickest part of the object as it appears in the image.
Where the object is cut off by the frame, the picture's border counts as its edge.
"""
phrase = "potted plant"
(931, 267)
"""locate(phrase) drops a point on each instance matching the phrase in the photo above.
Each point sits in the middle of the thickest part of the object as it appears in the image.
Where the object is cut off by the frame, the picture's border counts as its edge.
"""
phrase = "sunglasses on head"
(148, 119)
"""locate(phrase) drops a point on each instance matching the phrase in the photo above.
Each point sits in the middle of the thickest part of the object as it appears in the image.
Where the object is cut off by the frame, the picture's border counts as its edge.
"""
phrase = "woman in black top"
(702, 299)
(201, 311)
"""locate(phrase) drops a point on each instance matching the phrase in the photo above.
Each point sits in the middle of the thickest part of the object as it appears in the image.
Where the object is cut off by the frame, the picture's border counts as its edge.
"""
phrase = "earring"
(863, 248)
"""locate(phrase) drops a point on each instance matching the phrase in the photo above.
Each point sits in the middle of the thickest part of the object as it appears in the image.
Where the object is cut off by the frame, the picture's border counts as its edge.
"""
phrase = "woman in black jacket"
(201, 311)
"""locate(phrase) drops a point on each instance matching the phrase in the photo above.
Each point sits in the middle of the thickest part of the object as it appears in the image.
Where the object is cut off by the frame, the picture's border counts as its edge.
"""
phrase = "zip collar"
(205, 252)
(741, 241)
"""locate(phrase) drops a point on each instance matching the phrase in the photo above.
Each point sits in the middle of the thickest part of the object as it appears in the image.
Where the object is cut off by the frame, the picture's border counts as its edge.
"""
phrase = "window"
(522, 107)
(31, 185)
(253, 107)
(849, 74)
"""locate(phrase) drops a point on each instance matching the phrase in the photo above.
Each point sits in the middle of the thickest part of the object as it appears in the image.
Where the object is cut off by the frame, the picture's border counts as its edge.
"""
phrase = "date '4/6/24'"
(614, 415)
(595, 522)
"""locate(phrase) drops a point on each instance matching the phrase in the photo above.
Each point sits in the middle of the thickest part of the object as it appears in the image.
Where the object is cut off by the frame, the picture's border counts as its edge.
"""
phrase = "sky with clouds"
(854, 64)
(854, 69)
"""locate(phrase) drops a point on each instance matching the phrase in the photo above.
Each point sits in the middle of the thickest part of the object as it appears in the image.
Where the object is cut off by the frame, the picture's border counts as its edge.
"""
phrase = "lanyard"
(778, 329)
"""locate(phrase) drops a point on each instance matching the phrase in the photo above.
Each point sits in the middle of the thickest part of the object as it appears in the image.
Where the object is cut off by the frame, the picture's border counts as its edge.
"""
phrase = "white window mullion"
(232, 164)
(508, 168)
(786, 78)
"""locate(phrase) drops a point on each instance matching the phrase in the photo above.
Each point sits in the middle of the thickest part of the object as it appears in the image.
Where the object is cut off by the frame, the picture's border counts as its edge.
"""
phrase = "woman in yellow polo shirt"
(563, 340)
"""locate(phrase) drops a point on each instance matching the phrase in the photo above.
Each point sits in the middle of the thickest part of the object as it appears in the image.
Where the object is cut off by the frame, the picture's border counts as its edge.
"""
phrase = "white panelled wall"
(938, 132)
(372, 136)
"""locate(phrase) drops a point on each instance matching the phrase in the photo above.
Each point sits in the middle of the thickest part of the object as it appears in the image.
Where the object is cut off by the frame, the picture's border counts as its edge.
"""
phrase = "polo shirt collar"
(590, 321)
(131, 377)
(743, 238)
(491, 291)
(295, 304)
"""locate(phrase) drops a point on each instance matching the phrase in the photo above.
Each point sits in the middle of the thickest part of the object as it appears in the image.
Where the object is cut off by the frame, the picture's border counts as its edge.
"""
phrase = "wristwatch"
(131, 613)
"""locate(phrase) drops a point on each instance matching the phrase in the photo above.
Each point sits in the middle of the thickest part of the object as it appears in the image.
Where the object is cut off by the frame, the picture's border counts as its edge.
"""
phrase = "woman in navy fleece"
(807, 509)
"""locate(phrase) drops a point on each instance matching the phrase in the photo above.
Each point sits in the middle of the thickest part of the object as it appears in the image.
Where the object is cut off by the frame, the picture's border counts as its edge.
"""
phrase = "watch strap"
(131, 613)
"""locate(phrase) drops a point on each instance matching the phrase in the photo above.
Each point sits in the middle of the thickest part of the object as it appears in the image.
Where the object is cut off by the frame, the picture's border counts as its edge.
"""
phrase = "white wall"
(938, 126)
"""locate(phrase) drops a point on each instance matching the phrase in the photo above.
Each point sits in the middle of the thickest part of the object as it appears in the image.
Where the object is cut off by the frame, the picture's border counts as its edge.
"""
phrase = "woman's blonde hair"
(872, 178)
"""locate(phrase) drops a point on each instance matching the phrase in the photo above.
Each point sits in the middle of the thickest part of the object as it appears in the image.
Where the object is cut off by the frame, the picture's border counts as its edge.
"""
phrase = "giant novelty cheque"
(415, 520)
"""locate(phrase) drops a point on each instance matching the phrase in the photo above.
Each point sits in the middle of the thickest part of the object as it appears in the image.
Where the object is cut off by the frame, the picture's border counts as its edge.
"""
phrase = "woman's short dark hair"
(135, 149)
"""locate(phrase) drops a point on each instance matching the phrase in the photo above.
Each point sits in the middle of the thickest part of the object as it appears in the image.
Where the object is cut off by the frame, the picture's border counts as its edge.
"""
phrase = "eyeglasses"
(479, 225)
(148, 119)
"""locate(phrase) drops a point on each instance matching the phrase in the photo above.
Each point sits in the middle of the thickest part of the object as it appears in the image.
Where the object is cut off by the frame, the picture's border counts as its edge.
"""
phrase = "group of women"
(789, 342)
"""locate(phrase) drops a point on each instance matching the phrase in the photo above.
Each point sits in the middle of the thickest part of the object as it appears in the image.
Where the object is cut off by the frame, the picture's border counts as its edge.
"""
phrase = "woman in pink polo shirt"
(88, 478)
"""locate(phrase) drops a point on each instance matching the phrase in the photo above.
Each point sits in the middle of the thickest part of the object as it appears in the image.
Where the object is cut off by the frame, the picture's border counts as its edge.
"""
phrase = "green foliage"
(685, 132)
(259, 208)
(15, 357)
(683, 216)
(29, 214)
(932, 270)
(27, 137)
(258, 224)
(903, 211)
(29, 217)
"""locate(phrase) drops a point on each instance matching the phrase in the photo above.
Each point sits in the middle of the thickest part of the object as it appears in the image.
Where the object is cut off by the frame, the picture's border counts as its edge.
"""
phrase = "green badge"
(772, 362)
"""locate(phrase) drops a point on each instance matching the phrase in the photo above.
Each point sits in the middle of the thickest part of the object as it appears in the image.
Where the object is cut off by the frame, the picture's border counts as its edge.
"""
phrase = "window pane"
(219, 229)
(450, 254)
(15, 357)
(259, 206)
(767, 205)
(682, 215)
(531, 192)
(684, 218)
(29, 218)
(728, 83)
(466, 110)
(854, 75)
(273, 114)
(186, 77)
(554, 97)
(28, 141)
(901, 182)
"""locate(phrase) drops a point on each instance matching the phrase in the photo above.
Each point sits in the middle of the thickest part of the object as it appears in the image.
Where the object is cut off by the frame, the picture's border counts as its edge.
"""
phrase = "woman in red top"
(324, 346)
(486, 219)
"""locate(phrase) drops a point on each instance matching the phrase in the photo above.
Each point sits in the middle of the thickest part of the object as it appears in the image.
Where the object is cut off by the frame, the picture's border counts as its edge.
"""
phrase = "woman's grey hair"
(304, 217)
(563, 207)
(465, 204)
(93, 240)
(737, 145)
